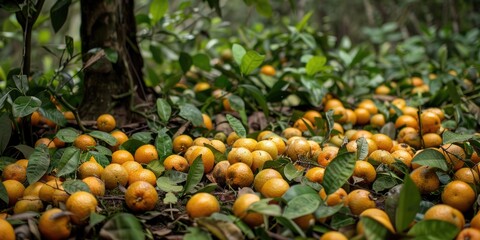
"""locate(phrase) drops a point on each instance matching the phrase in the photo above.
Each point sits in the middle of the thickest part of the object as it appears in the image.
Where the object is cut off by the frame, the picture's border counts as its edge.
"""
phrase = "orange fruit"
(379, 216)
(14, 189)
(143, 175)
(8, 233)
(59, 196)
(468, 234)
(332, 103)
(337, 197)
(207, 157)
(305, 221)
(81, 204)
(33, 189)
(131, 166)
(35, 118)
(437, 111)
(69, 115)
(333, 235)
(454, 155)
(45, 141)
(22, 162)
(274, 188)
(410, 111)
(363, 116)
(207, 122)
(361, 133)
(96, 185)
(291, 132)
(259, 157)
(232, 137)
(241, 206)
(377, 120)
(201, 141)
(263, 176)
(312, 115)
(340, 114)
(315, 174)
(58, 143)
(406, 121)
(47, 190)
(365, 171)
(113, 175)
(201, 86)
(475, 222)
(369, 105)
(398, 103)
(298, 149)
(444, 212)
(176, 162)
(351, 116)
(382, 90)
(90, 169)
(219, 172)
(459, 194)
(141, 196)
(146, 154)
(218, 145)
(121, 138)
(403, 156)
(360, 200)
(54, 224)
(402, 146)
(85, 142)
(268, 70)
(303, 124)
(202, 205)
(28, 203)
(268, 146)
(263, 135)
(121, 156)
(409, 136)
(239, 175)
(382, 141)
(14, 171)
(326, 155)
(425, 179)
(279, 143)
(378, 157)
(430, 122)
(248, 143)
(432, 140)
(240, 154)
(106, 123)
(467, 175)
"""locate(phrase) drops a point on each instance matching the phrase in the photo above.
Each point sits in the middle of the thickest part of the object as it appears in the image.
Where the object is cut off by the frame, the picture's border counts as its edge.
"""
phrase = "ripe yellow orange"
(454, 154)
(141, 196)
(58, 143)
(81, 204)
(96, 185)
(35, 118)
(364, 170)
(248, 143)
(22, 162)
(291, 132)
(363, 116)
(459, 195)
(379, 216)
(468, 234)
(47, 190)
(59, 196)
(303, 124)
(219, 172)
(207, 122)
(437, 111)
(475, 222)
(332, 103)
(382, 141)
(326, 155)
(218, 145)
(361, 133)
(378, 157)
(33, 189)
(432, 140)
(239, 175)
(14, 171)
(268, 146)
(377, 120)
(279, 142)
(54, 225)
(28, 203)
(143, 175)
(69, 115)
(274, 187)
(298, 149)
(259, 158)
(382, 90)
(201, 141)
(265, 135)
(315, 174)
(445, 213)
(14, 189)
(8, 233)
(232, 138)
(146, 154)
(360, 200)
(113, 175)
(85, 142)
(410, 111)
(90, 169)
(305, 221)
(121, 156)
(201, 86)
(45, 141)
(351, 116)
(121, 138)
(207, 156)
(202, 205)
(106, 123)
(337, 197)
(425, 179)
(333, 235)
(369, 105)
(268, 70)
(430, 122)
(240, 154)
(241, 206)
(312, 115)
(467, 175)
(176, 162)
(406, 121)
(131, 166)
(403, 156)
(263, 176)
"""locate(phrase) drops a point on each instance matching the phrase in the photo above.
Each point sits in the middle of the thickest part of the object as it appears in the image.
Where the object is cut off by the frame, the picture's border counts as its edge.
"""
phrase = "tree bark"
(110, 25)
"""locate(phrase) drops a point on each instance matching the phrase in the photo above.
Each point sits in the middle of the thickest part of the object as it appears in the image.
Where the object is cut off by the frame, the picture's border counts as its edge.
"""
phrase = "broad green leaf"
(408, 205)
(195, 174)
(75, 185)
(190, 112)
(362, 148)
(338, 171)
(185, 61)
(59, 13)
(170, 198)
(202, 61)
(95, 218)
(291, 225)
(327, 211)
(442, 56)
(167, 185)
(111, 55)
(3, 193)
(451, 137)
(5, 131)
(238, 53)
(51, 112)
(100, 158)
(131, 145)
(264, 8)
(123, 226)
(297, 190)
(157, 10)
(431, 157)
(67, 135)
(373, 229)
(145, 137)
(219, 156)
(26, 150)
(103, 150)
(163, 144)
(300, 25)
(38, 164)
(291, 172)
(69, 161)
(236, 103)
(384, 182)
(25, 105)
(164, 109)
(69, 45)
(250, 61)
(21, 82)
(259, 97)
(302, 205)
(330, 123)
(315, 65)
(433, 230)
(263, 207)
(106, 137)
(156, 167)
(209, 188)
(236, 125)
(3, 98)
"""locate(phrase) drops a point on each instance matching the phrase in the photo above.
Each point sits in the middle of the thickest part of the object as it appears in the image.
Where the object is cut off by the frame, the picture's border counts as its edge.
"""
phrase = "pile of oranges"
(257, 165)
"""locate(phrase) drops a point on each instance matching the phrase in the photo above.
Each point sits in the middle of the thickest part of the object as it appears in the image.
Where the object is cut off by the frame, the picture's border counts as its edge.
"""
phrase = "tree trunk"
(110, 25)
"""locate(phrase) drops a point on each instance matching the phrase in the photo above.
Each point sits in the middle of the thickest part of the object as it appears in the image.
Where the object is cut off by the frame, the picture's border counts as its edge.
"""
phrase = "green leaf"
(302, 205)
(196, 233)
(38, 164)
(123, 226)
(195, 174)
(131, 145)
(362, 148)
(263, 207)
(238, 52)
(156, 167)
(264, 8)
(163, 143)
(3, 193)
(111, 55)
(69, 161)
(59, 13)
(167, 185)
(384, 182)
(202, 61)
(75, 185)
(21, 82)
(103, 150)
(297, 190)
(327, 211)
(236, 125)
(185, 61)
(164, 109)
(106, 137)
(25, 105)
(451, 137)
(190, 112)
(27, 151)
(5, 131)
(373, 229)
(291, 172)
(3, 98)
(433, 230)
(219, 156)
(69, 45)
(432, 158)
(50, 111)
(300, 25)
(259, 97)
(315, 65)
(251, 61)
(67, 135)
(95, 218)
(442, 56)
(145, 137)
(338, 171)
(170, 198)
(100, 158)
(157, 10)
(408, 205)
